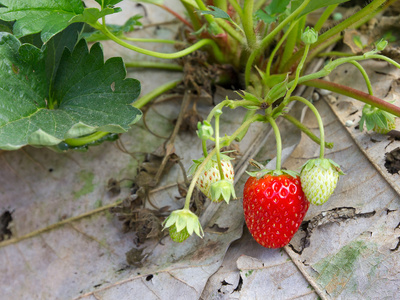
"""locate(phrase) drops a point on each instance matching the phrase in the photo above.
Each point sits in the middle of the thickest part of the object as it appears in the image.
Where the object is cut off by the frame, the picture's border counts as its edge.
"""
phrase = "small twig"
(58, 224)
(170, 143)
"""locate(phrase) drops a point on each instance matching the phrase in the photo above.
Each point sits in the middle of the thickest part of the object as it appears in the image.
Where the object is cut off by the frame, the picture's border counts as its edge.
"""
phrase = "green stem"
(144, 40)
(249, 114)
(354, 21)
(356, 94)
(230, 30)
(335, 53)
(292, 29)
(221, 4)
(236, 6)
(217, 52)
(204, 147)
(247, 23)
(269, 38)
(155, 93)
(76, 142)
(298, 70)
(221, 171)
(290, 44)
(231, 104)
(389, 60)
(194, 18)
(153, 65)
(320, 123)
(307, 131)
(278, 142)
(365, 75)
(325, 15)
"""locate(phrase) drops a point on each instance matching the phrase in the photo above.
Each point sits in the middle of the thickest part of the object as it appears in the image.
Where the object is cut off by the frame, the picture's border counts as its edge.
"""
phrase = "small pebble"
(349, 123)
(337, 16)
(324, 92)
(315, 97)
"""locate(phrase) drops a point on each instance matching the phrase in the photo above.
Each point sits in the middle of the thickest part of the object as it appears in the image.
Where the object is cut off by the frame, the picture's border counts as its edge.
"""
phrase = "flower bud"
(205, 130)
(381, 45)
(309, 36)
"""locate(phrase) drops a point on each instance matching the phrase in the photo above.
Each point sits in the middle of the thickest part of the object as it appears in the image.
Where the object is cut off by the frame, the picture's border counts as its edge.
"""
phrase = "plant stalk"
(278, 142)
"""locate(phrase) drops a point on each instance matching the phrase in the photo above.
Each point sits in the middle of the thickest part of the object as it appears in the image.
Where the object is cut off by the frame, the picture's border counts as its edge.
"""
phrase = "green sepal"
(249, 97)
(269, 99)
(222, 190)
(373, 116)
(184, 219)
(324, 163)
(197, 162)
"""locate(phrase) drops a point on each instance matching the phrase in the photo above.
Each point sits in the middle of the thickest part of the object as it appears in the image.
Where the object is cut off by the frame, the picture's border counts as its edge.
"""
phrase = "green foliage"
(52, 94)
(49, 17)
(216, 13)
(46, 16)
(314, 5)
(272, 11)
(117, 30)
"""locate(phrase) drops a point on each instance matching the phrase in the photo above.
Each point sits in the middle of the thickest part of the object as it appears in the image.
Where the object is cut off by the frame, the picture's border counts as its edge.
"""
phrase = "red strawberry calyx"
(324, 163)
(181, 220)
(261, 173)
(222, 190)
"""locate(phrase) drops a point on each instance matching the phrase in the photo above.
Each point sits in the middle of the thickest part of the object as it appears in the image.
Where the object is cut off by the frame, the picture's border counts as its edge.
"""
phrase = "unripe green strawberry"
(211, 174)
(182, 223)
(391, 125)
(318, 179)
(178, 236)
(377, 120)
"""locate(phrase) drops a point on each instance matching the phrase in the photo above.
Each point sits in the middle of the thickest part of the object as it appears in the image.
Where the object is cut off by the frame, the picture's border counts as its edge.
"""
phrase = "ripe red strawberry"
(274, 207)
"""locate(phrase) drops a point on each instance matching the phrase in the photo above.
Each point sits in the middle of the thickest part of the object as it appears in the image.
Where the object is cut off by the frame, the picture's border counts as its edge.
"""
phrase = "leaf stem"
(155, 93)
(325, 15)
(319, 119)
(353, 93)
(306, 130)
(278, 142)
(153, 65)
(217, 52)
(271, 57)
(231, 104)
(76, 142)
(365, 75)
(247, 23)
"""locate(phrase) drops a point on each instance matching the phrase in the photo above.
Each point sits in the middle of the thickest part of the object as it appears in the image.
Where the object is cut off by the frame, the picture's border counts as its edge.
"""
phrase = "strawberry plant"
(55, 92)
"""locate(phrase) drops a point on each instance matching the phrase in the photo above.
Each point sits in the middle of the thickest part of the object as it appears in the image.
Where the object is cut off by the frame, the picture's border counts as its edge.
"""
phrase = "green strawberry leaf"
(118, 30)
(92, 14)
(270, 13)
(108, 3)
(46, 16)
(43, 106)
(313, 5)
(49, 17)
(216, 13)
